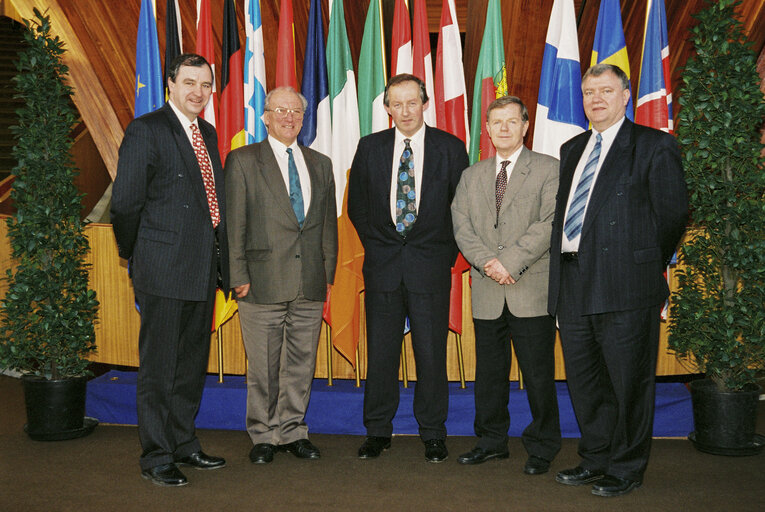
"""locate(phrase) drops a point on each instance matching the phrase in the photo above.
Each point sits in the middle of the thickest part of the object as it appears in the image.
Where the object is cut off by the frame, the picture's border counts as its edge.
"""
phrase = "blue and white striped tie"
(573, 225)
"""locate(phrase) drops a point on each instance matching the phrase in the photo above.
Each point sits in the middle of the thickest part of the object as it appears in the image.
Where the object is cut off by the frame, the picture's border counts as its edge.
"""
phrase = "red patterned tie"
(207, 176)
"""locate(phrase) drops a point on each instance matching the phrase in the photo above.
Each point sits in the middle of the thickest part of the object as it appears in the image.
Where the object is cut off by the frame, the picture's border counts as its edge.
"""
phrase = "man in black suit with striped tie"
(620, 212)
(168, 212)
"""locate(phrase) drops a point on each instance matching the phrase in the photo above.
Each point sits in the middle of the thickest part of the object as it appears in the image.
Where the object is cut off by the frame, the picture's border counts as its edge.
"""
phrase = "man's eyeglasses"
(283, 112)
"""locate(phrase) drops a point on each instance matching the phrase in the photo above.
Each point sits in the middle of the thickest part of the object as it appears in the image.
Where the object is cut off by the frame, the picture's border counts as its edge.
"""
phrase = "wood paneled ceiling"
(107, 34)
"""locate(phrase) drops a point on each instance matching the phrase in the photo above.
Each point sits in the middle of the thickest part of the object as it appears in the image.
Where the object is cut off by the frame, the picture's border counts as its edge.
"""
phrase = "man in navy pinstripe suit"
(620, 212)
(168, 212)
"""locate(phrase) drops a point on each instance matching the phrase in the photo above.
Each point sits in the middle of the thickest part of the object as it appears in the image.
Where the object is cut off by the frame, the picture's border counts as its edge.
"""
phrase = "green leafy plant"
(717, 320)
(48, 312)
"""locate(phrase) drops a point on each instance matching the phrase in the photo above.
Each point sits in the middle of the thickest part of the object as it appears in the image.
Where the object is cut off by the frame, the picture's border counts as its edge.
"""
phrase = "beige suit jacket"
(267, 247)
(519, 237)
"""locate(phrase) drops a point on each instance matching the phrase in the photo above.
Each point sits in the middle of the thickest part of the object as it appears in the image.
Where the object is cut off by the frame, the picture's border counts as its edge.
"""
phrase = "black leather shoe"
(435, 450)
(201, 460)
(373, 446)
(578, 476)
(302, 449)
(479, 455)
(611, 485)
(262, 453)
(536, 466)
(166, 475)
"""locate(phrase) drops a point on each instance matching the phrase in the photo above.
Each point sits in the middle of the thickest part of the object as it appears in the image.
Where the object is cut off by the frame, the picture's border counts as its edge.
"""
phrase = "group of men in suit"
(583, 243)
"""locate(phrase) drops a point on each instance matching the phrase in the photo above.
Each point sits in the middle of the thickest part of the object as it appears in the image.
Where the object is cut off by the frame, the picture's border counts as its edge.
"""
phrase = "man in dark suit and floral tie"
(168, 211)
(401, 184)
(621, 210)
(502, 216)
(283, 244)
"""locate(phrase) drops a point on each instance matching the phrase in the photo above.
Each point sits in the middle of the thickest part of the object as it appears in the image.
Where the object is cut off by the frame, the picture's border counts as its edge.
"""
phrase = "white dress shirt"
(417, 143)
(607, 140)
(282, 158)
(509, 169)
(187, 128)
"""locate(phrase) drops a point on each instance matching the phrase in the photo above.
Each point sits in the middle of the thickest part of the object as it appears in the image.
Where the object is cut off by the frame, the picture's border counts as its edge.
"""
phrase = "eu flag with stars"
(148, 68)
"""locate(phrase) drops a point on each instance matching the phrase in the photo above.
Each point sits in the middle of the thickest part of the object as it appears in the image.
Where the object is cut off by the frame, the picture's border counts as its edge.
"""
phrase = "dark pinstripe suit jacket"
(159, 209)
(424, 258)
(634, 220)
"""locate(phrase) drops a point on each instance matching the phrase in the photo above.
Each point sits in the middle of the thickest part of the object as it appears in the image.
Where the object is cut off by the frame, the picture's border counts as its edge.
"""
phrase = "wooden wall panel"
(118, 323)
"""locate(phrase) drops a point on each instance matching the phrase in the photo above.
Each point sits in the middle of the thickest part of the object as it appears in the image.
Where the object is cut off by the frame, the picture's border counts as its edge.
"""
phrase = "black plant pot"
(725, 421)
(56, 408)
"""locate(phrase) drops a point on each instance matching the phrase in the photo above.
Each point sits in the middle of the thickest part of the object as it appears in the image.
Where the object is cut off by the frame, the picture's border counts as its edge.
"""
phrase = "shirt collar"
(181, 117)
(609, 134)
(279, 147)
(416, 139)
(513, 158)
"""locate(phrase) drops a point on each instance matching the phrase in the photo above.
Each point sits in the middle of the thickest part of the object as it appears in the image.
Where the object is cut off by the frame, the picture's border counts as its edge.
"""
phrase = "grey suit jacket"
(267, 247)
(519, 237)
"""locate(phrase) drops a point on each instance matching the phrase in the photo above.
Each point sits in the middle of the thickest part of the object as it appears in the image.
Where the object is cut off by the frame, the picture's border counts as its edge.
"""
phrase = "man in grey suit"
(168, 212)
(502, 213)
(283, 252)
(620, 212)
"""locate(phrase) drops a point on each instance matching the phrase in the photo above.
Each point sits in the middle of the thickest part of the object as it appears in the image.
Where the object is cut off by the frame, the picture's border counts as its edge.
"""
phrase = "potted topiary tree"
(717, 320)
(48, 312)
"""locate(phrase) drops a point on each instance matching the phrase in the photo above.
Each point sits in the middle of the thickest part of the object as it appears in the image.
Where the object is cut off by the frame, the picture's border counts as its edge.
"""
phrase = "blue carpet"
(338, 409)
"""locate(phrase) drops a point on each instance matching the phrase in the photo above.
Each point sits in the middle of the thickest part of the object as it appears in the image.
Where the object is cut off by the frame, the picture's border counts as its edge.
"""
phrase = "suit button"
(612, 223)
(605, 249)
(180, 175)
(297, 256)
(403, 243)
(185, 206)
(620, 193)
(500, 247)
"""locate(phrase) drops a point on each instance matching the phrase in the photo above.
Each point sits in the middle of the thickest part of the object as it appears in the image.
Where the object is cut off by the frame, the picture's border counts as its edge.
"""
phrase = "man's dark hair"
(187, 59)
(400, 79)
(508, 100)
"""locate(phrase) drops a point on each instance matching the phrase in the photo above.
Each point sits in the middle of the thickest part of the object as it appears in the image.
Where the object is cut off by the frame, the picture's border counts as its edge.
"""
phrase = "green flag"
(372, 114)
(490, 82)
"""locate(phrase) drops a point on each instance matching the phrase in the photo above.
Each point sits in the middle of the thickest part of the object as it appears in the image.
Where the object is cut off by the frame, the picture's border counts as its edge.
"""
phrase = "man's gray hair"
(599, 69)
(287, 89)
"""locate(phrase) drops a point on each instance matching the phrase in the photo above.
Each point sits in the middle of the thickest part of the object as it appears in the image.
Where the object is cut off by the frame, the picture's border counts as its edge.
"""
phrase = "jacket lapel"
(517, 178)
(272, 175)
(487, 183)
(612, 168)
(186, 151)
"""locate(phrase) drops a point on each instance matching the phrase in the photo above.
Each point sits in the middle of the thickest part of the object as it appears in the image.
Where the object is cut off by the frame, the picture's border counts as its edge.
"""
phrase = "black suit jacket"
(422, 260)
(636, 215)
(159, 208)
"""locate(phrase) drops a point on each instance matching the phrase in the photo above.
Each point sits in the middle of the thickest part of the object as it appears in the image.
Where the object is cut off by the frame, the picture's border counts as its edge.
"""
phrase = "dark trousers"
(610, 367)
(174, 346)
(534, 342)
(429, 321)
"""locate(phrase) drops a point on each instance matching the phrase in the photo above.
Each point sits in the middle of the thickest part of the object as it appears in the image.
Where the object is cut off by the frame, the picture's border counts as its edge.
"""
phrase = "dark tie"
(501, 185)
(406, 207)
(207, 176)
(573, 225)
(296, 192)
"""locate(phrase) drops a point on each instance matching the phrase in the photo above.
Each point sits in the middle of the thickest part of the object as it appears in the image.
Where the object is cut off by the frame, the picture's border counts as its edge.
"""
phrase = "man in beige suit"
(502, 214)
(283, 251)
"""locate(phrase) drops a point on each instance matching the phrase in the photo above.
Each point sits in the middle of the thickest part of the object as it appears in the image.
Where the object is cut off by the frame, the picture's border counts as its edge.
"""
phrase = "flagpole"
(328, 336)
(219, 335)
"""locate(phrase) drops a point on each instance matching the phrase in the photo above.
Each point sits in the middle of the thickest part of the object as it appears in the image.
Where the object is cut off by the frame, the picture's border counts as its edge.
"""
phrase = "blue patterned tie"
(296, 192)
(573, 225)
(406, 207)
